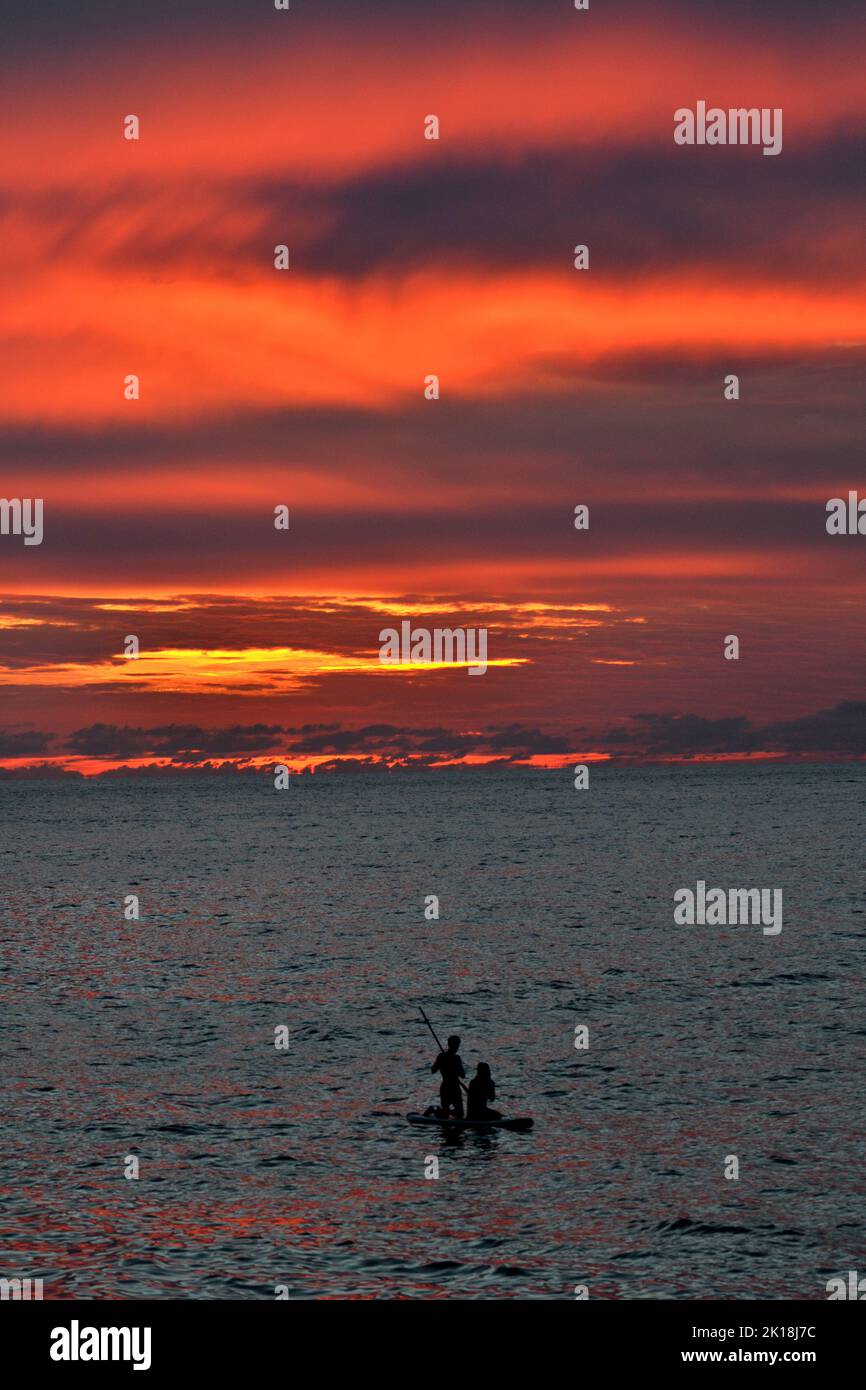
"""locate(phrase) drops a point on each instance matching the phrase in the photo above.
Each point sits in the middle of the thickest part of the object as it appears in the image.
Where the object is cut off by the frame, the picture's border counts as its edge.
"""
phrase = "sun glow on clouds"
(244, 671)
(415, 608)
(156, 257)
(9, 622)
(200, 348)
(303, 102)
(259, 667)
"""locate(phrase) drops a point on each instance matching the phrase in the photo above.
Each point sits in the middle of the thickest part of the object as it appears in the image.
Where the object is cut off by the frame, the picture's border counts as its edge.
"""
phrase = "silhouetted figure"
(481, 1090)
(450, 1067)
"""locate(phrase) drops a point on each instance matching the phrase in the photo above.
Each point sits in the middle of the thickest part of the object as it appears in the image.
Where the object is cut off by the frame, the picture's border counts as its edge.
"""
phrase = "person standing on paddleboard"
(450, 1067)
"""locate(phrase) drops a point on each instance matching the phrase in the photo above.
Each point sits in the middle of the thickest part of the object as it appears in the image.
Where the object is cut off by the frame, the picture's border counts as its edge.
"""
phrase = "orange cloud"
(290, 342)
(305, 103)
(248, 671)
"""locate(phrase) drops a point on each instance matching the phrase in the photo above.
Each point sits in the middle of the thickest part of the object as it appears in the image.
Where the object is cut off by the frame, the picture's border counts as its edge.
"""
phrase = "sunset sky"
(306, 388)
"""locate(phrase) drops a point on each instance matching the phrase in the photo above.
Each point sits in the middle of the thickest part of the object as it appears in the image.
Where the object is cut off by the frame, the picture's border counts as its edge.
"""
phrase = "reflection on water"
(259, 1167)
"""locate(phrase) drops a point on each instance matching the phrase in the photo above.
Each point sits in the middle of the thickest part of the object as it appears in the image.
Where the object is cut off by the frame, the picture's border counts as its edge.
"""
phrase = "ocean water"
(261, 1167)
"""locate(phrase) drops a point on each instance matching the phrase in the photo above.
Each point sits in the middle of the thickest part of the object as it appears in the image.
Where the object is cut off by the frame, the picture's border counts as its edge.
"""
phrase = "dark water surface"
(305, 908)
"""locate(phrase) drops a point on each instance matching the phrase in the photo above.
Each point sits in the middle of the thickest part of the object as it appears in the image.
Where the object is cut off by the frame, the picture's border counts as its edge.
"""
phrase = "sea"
(209, 1100)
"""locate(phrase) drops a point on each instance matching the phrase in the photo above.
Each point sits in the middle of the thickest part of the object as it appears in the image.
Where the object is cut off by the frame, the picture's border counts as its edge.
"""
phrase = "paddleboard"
(520, 1122)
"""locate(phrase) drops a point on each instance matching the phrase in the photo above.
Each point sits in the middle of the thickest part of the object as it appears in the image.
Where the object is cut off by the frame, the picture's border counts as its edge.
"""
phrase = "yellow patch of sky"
(187, 670)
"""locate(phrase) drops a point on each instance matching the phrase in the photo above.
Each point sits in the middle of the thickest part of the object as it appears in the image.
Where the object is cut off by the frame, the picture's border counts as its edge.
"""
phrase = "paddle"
(436, 1040)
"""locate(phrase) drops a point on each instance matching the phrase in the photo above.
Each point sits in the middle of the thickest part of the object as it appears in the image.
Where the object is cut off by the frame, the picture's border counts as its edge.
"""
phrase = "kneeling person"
(481, 1090)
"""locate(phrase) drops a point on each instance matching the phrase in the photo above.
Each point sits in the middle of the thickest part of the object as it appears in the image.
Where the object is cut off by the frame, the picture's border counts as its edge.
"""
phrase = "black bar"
(628, 1336)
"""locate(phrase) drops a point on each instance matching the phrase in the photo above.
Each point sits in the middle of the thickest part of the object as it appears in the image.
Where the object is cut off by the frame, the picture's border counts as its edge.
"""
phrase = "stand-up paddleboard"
(520, 1122)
